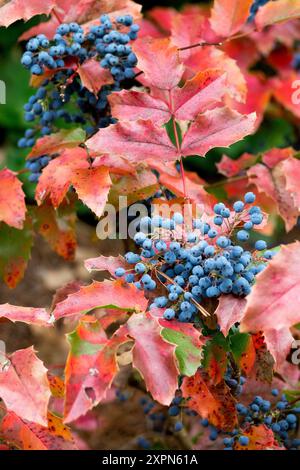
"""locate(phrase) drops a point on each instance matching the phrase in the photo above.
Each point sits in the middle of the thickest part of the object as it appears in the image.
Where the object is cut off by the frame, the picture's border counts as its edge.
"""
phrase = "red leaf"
(196, 191)
(218, 128)
(33, 316)
(26, 435)
(286, 92)
(199, 94)
(136, 141)
(272, 306)
(155, 56)
(63, 292)
(213, 402)
(291, 170)
(134, 105)
(58, 142)
(260, 438)
(93, 76)
(153, 357)
(12, 199)
(277, 12)
(14, 10)
(211, 57)
(110, 294)
(230, 310)
(229, 167)
(91, 367)
(258, 97)
(275, 156)
(82, 11)
(228, 16)
(24, 386)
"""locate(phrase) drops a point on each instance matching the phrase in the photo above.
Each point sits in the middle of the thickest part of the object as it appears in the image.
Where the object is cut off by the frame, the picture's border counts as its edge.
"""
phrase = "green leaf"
(188, 355)
(215, 359)
(243, 351)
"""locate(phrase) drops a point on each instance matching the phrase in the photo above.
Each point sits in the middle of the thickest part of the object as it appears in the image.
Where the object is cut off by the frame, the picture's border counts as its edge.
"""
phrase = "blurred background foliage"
(274, 131)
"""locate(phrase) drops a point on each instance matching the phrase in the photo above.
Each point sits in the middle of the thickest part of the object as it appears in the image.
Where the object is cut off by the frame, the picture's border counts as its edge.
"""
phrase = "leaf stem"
(221, 43)
(57, 16)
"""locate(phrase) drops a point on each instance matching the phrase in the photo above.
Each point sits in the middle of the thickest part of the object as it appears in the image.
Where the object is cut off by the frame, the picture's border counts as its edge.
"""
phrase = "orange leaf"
(25, 435)
(93, 76)
(228, 16)
(260, 438)
(213, 402)
(12, 199)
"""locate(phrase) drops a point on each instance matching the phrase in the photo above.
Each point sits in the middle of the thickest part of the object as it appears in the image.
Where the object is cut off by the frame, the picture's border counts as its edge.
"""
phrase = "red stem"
(182, 172)
(57, 16)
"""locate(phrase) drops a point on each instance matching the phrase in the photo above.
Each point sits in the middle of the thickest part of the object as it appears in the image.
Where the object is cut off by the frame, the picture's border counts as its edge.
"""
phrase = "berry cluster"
(281, 418)
(62, 99)
(199, 264)
(255, 7)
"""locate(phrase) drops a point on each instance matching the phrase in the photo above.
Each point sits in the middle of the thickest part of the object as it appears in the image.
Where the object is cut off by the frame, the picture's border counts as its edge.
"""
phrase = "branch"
(218, 44)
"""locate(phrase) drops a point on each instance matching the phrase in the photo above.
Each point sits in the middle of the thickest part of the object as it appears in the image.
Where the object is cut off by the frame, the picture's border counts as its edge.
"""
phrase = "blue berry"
(249, 198)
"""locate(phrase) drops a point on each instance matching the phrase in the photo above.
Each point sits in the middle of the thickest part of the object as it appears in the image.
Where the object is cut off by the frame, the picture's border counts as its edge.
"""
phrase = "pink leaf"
(273, 307)
(156, 56)
(218, 128)
(277, 12)
(199, 94)
(24, 386)
(230, 310)
(105, 263)
(110, 294)
(134, 105)
(280, 184)
(136, 141)
(14, 10)
(228, 16)
(275, 156)
(33, 316)
(153, 357)
(12, 199)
